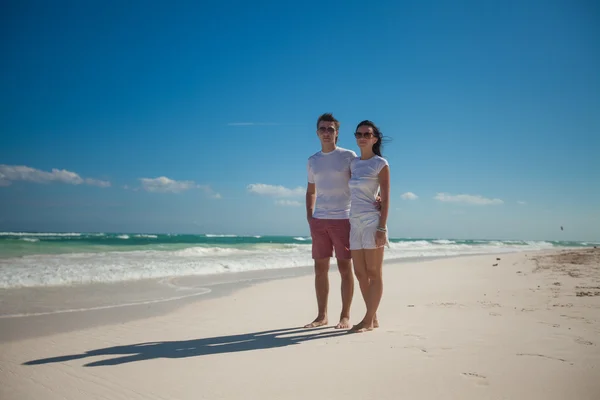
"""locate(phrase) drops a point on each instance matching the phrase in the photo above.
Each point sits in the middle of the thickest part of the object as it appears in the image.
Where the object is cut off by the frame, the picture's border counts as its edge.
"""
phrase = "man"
(328, 215)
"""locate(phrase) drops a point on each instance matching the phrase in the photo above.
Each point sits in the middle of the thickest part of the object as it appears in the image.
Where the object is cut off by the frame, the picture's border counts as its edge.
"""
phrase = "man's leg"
(322, 291)
(345, 268)
(339, 231)
(322, 250)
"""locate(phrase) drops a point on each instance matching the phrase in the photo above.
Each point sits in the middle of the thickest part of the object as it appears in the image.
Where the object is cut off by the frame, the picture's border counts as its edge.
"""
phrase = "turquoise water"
(42, 259)
(17, 244)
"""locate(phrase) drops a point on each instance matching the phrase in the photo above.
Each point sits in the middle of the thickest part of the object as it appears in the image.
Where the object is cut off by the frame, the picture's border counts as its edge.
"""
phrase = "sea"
(33, 259)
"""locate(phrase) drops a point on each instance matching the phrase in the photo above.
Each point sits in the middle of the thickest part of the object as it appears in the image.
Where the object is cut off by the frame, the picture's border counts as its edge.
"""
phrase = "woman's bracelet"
(381, 229)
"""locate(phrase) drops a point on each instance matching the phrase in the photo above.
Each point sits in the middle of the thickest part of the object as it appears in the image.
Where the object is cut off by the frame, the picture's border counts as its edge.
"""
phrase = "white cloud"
(288, 203)
(96, 182)
(409, 196)
(13, 173)
(521, 202)
(162, 184)
(467, 199)
(275, 191)
(209, 192)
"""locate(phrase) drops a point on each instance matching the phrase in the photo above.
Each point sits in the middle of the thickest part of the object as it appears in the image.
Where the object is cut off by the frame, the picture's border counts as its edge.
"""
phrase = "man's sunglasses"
(366, 135)
(329, 129)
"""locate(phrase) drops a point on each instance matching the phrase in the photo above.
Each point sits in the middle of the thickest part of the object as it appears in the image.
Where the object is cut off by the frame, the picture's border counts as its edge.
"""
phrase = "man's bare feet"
(343, 324)
(319, 321)
(362, 326)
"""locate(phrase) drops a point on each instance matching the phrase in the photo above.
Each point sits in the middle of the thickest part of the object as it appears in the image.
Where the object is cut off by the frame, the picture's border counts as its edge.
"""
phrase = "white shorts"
(362, 232)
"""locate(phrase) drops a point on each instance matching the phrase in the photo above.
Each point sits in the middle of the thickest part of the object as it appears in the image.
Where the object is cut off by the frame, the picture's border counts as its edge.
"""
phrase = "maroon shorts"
(330, 234)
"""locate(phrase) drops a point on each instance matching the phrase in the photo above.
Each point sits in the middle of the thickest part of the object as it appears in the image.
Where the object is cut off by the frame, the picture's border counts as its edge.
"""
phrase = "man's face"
(327, 132)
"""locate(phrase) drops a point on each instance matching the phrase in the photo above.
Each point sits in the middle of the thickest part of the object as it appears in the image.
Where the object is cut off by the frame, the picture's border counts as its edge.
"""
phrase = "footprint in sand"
(582, 319)
(414, 335)
(421, 349)
(489, 304)
(480, 379)
(581, 340)
(550, 324)
(542, 356)
(447, 304)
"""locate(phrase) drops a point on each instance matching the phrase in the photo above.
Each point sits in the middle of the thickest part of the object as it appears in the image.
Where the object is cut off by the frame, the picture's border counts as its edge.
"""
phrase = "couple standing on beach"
(344, 213)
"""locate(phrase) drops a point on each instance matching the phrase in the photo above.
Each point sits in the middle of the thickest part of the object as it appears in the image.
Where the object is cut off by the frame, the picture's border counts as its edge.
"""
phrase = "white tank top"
(364, 185)
(330, 173)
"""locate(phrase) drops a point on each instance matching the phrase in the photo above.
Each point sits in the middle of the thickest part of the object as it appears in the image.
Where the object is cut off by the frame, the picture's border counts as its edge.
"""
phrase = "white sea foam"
(44, 234)
(73, 268)
(212, 235)
(145, 236)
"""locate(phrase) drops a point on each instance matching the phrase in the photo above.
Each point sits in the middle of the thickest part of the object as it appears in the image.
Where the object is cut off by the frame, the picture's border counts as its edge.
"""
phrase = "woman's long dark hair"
(376, 131)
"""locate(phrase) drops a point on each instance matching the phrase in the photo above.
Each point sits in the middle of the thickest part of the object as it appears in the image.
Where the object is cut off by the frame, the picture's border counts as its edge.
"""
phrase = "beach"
(519, 325)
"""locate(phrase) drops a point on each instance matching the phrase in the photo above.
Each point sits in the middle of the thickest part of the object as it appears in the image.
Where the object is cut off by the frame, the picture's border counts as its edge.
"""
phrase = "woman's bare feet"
(319, 321)
(343, 324)
(362, 326)
(375, 322)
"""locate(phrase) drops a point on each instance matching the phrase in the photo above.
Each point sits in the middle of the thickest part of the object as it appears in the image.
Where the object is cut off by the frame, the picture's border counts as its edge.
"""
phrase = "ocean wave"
(30, 240)
(443, 241)
(81, 268)
(41, 234)
(212, 235)
(119, 257)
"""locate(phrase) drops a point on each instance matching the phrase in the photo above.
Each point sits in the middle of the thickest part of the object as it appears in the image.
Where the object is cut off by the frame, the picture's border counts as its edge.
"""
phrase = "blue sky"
(199, 116)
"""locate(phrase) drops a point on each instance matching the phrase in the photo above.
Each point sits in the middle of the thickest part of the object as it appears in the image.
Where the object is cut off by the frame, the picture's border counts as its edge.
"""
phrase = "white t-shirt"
(364, 184)
(330, 173)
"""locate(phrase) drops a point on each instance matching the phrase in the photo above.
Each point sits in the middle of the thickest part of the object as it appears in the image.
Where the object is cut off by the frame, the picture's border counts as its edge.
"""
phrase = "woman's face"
(365, 137)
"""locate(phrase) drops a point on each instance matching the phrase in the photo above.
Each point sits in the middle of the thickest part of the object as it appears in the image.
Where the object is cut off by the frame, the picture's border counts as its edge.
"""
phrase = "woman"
(368, 226)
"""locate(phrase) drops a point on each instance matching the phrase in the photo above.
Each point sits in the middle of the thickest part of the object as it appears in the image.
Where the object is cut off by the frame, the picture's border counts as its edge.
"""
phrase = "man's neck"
(328, 148)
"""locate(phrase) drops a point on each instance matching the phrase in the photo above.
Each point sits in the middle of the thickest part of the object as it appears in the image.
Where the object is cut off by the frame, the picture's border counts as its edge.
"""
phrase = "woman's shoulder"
(381, 161)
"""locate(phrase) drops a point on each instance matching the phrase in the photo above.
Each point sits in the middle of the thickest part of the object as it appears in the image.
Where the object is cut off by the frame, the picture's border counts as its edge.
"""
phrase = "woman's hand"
(380, 238)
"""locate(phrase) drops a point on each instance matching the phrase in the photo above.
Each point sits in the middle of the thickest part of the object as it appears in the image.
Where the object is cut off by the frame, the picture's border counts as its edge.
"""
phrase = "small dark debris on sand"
(580, 263)
(588, 293)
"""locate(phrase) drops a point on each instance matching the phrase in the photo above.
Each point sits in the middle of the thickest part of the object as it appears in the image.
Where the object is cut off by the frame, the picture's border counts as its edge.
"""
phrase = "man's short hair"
(328, 117)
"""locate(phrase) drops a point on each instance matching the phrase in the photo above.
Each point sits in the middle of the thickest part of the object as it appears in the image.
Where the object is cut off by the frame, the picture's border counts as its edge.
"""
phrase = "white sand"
(450, 329)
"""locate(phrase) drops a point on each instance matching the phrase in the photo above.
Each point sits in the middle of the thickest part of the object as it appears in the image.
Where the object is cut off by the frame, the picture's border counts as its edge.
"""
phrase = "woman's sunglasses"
(366, 135)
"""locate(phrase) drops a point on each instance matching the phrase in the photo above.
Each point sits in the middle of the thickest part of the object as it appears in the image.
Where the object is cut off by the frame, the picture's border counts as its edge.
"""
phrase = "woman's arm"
(384, 184)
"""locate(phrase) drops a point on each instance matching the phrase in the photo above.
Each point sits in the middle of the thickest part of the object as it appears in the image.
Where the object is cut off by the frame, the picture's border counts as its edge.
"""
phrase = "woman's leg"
(360, 270)
(374, 265)
(374, 258)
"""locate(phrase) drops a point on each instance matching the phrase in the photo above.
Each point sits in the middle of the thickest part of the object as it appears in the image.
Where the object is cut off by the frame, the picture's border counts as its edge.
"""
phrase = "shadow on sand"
(197, 347)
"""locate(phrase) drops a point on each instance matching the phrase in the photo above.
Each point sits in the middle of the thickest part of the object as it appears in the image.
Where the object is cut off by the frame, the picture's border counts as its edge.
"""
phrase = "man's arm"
(310, 201)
